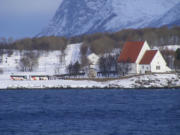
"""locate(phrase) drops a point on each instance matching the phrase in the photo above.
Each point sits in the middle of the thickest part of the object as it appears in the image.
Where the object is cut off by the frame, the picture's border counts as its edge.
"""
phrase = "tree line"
(107, 41)
(98, 43)
(42, 43)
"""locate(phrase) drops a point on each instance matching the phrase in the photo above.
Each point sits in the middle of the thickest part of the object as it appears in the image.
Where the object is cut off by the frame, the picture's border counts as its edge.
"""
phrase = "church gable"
(142, 52)
(130, 52)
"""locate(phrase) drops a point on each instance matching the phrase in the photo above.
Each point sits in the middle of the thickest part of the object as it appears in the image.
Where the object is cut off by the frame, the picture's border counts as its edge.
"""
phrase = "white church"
(141, 59)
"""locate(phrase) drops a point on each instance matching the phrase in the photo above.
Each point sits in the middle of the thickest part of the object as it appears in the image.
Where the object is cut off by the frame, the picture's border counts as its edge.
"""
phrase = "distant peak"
(77, 17)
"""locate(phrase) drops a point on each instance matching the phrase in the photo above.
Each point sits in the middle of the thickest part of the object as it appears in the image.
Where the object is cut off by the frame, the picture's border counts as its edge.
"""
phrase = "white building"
(93, 65)
(93, 60)
(141, 59)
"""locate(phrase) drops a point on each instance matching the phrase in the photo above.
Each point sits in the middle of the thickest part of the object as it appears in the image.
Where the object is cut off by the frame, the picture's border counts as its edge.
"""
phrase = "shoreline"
(153, 88)
(153, 81)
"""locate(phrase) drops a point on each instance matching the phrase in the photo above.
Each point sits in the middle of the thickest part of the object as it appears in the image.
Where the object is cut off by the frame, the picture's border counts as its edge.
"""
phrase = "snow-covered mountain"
(170, 18)
(76, 17)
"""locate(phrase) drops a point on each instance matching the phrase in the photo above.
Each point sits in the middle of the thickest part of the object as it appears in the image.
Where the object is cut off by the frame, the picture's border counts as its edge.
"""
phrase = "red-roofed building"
(148, 57)
(130, 52)
(140, 59)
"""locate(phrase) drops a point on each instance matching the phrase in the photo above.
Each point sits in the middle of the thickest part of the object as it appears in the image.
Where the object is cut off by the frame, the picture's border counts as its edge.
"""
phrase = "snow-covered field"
(143, 81)
(51, 62)
(168, 47)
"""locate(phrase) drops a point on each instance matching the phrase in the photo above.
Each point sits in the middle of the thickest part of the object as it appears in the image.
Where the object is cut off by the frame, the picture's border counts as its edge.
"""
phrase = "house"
(93, 60)
(93, 65)
(140, 59)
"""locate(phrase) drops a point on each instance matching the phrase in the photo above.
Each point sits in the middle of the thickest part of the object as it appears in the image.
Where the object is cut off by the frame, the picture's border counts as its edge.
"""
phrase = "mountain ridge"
(170, 18)
(90, 16)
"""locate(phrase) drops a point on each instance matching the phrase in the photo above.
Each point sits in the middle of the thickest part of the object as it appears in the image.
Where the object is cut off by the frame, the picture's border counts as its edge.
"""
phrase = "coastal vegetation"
(99, 44)
(107, 41)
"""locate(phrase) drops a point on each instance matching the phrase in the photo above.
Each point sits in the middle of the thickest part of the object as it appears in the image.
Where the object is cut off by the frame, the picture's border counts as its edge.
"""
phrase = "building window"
(158, 67)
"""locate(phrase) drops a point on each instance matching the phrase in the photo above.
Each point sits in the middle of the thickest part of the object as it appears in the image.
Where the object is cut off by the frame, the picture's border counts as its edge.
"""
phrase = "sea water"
(90, 112)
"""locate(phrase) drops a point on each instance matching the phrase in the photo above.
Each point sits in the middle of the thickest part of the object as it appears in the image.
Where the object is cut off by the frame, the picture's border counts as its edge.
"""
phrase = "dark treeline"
(42, 43)
(100, 43)
(108, 41)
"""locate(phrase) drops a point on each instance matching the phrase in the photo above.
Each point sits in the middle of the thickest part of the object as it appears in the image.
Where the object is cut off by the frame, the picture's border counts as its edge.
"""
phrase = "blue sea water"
(90, 112)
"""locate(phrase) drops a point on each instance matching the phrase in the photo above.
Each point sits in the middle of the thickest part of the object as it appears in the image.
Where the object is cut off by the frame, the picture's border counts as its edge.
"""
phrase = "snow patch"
(168, 47)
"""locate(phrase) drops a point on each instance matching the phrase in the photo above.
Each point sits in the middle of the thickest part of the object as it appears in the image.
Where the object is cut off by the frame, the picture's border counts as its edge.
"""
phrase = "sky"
(25, 18)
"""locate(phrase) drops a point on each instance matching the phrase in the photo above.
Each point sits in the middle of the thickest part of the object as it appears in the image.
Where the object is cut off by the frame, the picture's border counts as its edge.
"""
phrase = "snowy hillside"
(52, 62)
(86, 16)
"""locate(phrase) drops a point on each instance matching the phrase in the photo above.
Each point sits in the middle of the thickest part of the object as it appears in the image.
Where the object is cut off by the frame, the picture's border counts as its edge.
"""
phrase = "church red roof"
(130, 52)
(148, 57)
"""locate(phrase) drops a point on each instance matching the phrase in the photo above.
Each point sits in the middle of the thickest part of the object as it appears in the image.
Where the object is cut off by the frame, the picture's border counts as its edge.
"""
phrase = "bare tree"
(70, 68)
(1, 71)
(74, 68)
(62, 57)
(102, 64)
(177, 59)
(28, 62)
(9, 52)
(124, 67)
(108, 63)
(61, 62)
(169, 56)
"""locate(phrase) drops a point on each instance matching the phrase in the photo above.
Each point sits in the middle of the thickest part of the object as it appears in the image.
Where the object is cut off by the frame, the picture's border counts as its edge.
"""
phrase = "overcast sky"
(25, 18)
